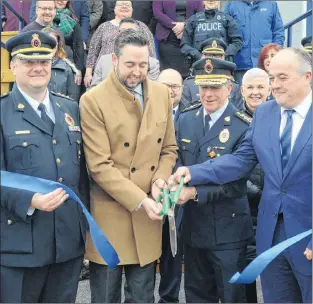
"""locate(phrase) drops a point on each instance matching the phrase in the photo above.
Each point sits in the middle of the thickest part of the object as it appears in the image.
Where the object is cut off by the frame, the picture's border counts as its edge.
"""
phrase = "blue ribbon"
(35, 184)
(254, 269)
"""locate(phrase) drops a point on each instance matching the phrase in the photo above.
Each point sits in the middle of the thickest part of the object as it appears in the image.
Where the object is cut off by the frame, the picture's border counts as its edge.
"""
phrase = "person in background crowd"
(280, 140)
(307, 44)
(81, 12)
(3, 16)
(62, 70)
(210, 48)
(22, 7)
(142, 11)
(260, 23)
(95, 13)
(171, 17)
(102, 42)
(266, 55)
(130, 151)
(255, 90)
(171, 267)
(105, 64)
(216, 226)
(210, 24)
(47, 16)
(42, 235)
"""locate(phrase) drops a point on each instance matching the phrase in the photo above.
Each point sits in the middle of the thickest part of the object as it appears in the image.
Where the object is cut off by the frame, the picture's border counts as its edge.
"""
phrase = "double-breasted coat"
(127, 147)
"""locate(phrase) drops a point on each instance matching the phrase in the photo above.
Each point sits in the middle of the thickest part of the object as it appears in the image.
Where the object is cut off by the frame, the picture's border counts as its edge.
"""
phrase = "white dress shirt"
(175, 110)
(215, 115)
(49, 110)
(298, 117)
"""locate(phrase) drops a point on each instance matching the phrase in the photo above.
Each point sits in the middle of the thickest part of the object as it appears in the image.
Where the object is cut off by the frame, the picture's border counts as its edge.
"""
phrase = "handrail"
(289, 25)
(22, 21)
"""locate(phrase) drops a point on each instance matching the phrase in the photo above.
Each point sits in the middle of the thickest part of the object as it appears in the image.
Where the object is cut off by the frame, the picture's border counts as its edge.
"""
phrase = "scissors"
(169, 202)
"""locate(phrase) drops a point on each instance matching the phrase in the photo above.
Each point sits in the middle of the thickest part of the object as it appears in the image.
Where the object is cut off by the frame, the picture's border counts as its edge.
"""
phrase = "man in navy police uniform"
(210, 48)
(216, 224)
(42, 236)
(280, 139)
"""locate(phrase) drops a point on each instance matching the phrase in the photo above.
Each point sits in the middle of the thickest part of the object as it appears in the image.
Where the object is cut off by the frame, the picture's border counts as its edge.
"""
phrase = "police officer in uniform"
(217, 223)
(42, 236)
(210, 48)
(212, 23)
(307, 44)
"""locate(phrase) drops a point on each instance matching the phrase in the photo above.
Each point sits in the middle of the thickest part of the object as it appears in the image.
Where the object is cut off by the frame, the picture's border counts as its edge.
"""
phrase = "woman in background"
(63, 70)
(266, 55)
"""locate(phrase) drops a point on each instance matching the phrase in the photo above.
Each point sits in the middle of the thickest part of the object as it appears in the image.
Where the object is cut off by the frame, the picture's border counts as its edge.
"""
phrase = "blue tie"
(46, 119)
(207, 119)
(285, 140)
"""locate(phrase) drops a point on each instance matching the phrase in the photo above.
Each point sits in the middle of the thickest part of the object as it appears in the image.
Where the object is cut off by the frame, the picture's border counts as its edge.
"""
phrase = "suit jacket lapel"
(303, 137)
(59, 116)
(21, 104)
(199, 124)
(217, 127)
(274, 123)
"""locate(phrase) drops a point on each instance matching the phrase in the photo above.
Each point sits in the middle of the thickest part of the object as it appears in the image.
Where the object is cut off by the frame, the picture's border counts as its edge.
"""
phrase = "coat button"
(54, 142)
(10, 222)
(58, 161)
(78, 141)
(60, 180)
(126, 145)
(133, 170)
(152, 168)
(233, 215)
(159, 140)
(25, 144)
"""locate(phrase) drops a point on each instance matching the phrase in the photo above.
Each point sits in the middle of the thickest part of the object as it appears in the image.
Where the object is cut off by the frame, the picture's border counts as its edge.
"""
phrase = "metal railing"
(22, 22)
(290, 24)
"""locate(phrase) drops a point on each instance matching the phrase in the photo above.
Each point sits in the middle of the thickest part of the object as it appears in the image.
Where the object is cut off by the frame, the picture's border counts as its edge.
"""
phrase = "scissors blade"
(172, 231)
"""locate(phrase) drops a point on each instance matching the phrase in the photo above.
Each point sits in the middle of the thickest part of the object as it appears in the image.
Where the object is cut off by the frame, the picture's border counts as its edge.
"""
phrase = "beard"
(126, 82)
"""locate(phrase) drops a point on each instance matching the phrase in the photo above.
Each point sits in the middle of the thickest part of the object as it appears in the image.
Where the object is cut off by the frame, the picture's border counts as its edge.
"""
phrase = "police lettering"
(215, 26)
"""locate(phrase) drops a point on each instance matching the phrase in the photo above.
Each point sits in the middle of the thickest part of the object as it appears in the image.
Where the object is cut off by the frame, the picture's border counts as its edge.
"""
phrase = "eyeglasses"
(123, 4)
(31, 63)
(46, 9)
(174, 87)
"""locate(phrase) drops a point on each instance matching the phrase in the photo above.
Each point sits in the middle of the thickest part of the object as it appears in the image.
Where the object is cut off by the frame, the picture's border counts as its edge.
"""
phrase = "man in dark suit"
(216, 224)
(280, 139)
(42, 236)
(210, 48)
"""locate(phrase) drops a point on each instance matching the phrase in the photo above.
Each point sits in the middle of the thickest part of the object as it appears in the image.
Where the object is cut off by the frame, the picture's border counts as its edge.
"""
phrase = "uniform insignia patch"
(186, 140)
(244, 117)
(20, 106)
(4, 95)
(212, 154)
(224, 136)
(58, 104)
(69, 120)
(61, 95)
(22, 132)
(74, 128)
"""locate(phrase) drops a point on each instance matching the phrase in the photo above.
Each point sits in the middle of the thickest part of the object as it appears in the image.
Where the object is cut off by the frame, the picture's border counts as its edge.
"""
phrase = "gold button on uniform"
(25, 144)
(58, 161)
(60, 180)
(78, 141)
(9, 222)
(54, 142)
(234, 214)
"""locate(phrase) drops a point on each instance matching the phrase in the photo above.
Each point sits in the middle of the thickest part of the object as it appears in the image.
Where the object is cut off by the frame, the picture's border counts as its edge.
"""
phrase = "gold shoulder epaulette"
(62, 95)
(193, 106)
(5, 94)
(244, 117)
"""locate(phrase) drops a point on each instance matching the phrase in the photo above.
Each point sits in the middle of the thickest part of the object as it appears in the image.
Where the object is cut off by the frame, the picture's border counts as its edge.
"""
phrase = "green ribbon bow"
(169, 199)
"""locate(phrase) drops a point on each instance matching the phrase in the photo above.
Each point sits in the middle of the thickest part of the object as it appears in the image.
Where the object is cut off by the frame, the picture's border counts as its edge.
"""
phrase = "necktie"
(46, 119)
(285, 140)
(207, 119)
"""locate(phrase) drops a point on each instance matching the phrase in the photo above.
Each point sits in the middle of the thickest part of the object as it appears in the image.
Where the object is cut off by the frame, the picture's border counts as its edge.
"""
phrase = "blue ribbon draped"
(254, 269)
(35, 184)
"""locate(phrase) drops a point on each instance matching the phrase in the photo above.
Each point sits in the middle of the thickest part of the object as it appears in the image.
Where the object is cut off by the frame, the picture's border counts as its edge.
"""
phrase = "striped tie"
(285, 140)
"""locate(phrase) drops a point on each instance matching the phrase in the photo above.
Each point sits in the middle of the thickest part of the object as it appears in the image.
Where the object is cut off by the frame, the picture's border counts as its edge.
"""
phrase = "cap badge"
(214, 44)
(36, 43)
(224, 136)
(69, 120)
(208, 66)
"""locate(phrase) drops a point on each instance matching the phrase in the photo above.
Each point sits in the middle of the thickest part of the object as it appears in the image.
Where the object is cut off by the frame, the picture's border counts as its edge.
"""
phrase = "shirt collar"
(303, 107)
(217, 114)
(138, 89)
(34, 103)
